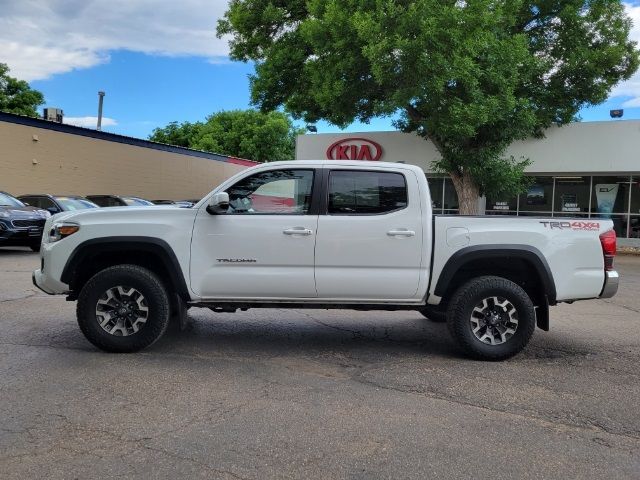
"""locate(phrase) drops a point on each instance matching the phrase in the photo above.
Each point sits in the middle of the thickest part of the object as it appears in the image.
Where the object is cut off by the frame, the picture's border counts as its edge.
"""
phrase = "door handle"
(297, 231)
(401, 233)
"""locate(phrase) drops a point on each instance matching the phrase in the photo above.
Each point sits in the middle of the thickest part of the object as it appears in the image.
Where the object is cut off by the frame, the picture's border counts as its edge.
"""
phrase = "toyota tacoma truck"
(323, 234)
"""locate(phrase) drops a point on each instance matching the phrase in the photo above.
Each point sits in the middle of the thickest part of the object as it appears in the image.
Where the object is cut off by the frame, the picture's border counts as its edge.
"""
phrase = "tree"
(470, 76)
(16, 96)
(250, 134)
(180, 135)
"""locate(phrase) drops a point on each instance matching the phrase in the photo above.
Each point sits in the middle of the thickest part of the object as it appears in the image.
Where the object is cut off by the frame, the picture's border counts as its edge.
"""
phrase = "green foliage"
(180, 135)
(16, 96)
(249, 134)
(471, 76)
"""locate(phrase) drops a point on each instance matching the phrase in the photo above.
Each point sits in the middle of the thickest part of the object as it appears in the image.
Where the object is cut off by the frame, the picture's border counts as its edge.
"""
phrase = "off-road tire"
(155, 295)
(465, 299)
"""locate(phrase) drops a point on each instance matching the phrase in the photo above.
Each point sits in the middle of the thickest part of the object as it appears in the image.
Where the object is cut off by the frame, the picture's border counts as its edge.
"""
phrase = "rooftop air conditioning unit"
(53, 114)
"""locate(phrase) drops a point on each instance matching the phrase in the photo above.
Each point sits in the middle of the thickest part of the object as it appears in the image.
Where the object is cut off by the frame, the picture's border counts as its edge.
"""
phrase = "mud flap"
(180, 314)
(542, 315)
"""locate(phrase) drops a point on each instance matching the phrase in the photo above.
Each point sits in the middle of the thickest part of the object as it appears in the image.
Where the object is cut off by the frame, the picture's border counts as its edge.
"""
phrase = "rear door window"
(353, 192)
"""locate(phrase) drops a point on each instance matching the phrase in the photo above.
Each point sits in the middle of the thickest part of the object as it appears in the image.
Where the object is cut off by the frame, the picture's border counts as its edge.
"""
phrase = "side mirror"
(53, 210)
(219, 203)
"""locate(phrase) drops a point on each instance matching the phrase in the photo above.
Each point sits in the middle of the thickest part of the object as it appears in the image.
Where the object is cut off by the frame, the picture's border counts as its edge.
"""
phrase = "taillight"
(608, 242)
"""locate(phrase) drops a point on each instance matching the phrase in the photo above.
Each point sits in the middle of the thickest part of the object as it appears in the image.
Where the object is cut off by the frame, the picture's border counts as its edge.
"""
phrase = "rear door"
(369, 243)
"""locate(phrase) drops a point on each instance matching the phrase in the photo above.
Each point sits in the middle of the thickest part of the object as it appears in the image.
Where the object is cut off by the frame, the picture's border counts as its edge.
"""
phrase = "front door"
(263, 247)
(369, 244)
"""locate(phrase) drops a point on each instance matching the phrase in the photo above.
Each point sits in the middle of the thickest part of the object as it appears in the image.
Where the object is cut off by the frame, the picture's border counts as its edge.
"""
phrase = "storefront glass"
(614, 197)
(436, 187)
(610, 194)
(502, 206)
(572, 196)
(635, 196)
(538, 199)
(450, 197)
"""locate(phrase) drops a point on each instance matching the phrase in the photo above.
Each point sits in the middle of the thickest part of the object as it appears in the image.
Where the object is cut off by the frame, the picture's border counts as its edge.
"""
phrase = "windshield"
(9, 201)
(71, 204)
(135, 201)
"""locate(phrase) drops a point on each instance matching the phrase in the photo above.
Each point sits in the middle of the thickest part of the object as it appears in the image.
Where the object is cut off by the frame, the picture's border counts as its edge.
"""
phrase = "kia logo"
(354, 149)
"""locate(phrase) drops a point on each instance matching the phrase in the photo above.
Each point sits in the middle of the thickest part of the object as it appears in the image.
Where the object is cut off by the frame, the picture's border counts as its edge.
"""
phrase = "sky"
(158, 61)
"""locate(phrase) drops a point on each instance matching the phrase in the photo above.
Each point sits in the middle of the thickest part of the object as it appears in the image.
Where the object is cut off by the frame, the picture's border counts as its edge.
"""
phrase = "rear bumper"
(611, 281)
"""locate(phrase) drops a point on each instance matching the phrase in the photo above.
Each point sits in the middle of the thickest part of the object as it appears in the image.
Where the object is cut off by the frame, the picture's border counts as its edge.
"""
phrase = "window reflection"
(572, 196)
(436, 186)
(450, 196)
(538, 197)
(610, 195)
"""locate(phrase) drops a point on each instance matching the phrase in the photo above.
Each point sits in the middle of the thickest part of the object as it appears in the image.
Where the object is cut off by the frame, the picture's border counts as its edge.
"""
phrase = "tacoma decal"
(236, 260)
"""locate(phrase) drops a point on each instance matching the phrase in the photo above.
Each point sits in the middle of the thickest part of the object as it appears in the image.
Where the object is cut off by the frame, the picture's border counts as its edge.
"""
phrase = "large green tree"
(250, 134)
(471, 76)
(16, 96)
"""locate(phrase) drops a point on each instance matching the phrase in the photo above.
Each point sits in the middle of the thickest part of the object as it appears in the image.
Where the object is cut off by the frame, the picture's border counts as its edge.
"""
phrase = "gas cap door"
(458, 237)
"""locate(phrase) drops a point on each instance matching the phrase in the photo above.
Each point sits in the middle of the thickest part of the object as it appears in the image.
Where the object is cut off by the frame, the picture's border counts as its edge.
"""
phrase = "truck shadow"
(312, 331)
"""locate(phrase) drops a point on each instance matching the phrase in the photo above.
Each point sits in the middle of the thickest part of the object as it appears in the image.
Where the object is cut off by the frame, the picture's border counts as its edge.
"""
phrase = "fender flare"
(90, 248)
(530, 254)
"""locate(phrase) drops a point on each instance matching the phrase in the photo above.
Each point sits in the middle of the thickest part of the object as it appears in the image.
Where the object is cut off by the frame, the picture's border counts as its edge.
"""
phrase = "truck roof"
(345, 163)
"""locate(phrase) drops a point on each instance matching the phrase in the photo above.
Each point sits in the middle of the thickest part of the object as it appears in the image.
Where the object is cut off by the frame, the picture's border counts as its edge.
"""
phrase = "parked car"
(20, 225)
(324, 234)
(57, 203)
(119, 201)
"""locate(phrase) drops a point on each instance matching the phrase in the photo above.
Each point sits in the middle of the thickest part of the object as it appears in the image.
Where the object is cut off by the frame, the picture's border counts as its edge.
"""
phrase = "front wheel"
(124, 308)
(491, 318)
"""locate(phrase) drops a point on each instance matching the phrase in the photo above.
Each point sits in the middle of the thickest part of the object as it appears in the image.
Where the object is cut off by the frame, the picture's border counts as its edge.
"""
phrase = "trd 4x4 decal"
(574, 225)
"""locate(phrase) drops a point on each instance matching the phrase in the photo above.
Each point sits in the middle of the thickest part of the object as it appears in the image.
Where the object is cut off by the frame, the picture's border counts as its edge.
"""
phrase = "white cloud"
(631, 88)
(89, 122)
(40, 38)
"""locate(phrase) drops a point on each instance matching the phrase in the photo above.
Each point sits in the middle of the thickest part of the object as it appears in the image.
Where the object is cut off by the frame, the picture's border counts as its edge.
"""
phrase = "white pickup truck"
(323, 234)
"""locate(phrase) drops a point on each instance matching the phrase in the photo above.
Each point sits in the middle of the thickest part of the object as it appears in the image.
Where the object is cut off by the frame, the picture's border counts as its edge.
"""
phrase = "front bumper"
(611, 281)
(20, 237)
(35, 282)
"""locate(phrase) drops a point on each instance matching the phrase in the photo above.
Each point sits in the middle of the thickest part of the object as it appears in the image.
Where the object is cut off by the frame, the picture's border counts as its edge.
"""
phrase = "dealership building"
(583, 170)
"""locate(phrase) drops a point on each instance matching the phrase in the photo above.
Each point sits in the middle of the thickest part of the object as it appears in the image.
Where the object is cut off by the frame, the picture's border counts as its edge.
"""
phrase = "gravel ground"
(316, 394)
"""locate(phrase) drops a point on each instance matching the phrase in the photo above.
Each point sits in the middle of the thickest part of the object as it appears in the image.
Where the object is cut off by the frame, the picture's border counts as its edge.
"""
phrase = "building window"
(502, 206)
(610, 200)
(450, 202)
(572, 196)
(436, 188)
(538, 199)
(634, 203)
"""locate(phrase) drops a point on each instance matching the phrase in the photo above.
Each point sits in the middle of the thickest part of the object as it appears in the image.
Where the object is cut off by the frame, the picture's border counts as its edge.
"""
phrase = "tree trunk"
(468, 193)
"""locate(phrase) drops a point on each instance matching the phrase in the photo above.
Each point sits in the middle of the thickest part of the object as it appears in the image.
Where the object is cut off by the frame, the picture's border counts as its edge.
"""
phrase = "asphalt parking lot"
(316, 394)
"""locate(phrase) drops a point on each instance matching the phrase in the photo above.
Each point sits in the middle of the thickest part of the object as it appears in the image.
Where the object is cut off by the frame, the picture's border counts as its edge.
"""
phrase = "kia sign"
(354, 149)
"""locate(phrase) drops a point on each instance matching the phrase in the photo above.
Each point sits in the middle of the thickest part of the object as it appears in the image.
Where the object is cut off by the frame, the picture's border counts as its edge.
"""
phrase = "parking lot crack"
(585, 423)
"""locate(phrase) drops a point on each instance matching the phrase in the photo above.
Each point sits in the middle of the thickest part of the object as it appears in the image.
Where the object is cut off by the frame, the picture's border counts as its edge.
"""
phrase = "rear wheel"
(124, 308)
(491, 318)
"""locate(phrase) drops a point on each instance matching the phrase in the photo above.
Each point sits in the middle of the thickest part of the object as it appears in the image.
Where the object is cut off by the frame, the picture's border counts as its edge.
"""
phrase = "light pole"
(100, 100)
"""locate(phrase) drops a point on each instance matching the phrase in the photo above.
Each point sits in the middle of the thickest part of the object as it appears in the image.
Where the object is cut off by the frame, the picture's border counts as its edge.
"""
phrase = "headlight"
(62, 230)
(4, 214)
